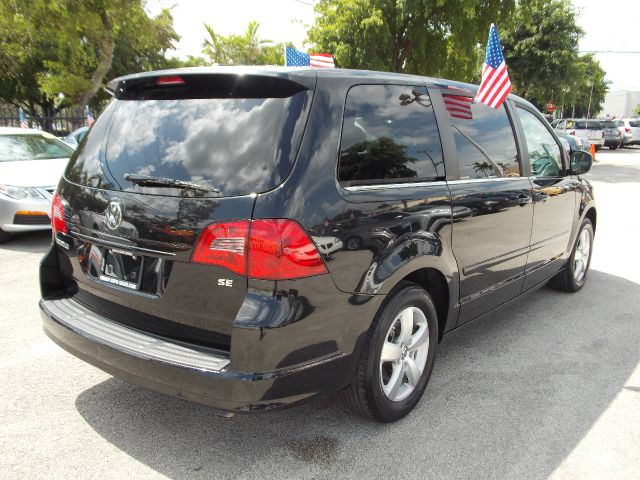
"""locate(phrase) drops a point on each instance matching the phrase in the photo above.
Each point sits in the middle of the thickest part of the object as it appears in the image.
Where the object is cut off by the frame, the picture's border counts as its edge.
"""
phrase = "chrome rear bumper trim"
(84, 322)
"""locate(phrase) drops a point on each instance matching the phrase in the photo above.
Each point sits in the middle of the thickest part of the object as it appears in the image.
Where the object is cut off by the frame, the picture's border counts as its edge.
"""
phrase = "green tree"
(245, 49)
(385, 159)
(428, 37)
(541, 50)
(585, 92)
(49, 47)
(637, 110)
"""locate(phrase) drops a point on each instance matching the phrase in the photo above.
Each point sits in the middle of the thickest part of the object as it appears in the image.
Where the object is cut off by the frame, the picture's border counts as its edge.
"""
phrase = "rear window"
(389, 135)
(634, 123)
(237, 139)
(31, 147)
(588, 125)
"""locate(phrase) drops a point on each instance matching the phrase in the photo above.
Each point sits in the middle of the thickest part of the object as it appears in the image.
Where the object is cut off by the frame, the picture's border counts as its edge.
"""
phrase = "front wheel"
(574, 275)
(397, 360)
(4, 236)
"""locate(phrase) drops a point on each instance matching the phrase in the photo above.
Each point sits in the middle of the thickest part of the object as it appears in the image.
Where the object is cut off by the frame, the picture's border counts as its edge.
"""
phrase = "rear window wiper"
(149, 181)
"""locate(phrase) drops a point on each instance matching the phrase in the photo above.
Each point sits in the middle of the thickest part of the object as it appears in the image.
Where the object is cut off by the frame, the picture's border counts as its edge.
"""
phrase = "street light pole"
(590, 95)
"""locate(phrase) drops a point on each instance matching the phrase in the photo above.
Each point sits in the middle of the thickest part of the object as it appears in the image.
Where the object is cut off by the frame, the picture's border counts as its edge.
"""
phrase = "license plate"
(121, 268)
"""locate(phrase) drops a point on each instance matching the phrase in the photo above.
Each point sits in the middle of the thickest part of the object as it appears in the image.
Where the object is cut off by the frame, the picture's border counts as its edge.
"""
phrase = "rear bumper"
(597, 142)
(184, 370)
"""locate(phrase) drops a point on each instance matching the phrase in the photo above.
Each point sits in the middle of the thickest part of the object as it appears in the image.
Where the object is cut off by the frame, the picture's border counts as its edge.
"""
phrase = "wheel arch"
(435, 283)
(592, 215)
(442, 286)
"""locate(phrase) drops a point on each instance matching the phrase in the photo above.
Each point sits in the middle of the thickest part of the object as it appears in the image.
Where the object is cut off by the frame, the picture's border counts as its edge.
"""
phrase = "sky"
(608, 25)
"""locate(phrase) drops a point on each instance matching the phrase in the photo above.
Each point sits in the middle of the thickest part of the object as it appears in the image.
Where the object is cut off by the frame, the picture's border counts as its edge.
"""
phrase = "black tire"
(565, 280)
(365, 395)
(613, 147)
(353, 243)
(4, 236)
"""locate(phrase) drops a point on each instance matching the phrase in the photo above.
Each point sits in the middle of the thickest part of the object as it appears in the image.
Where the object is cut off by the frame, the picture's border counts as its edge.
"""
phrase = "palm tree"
(242, 49)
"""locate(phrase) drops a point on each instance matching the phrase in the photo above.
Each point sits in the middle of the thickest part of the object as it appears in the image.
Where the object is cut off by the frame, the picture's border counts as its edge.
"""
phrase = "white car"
(590, 131)
(31, 164)
(327, 245)
(631, 128)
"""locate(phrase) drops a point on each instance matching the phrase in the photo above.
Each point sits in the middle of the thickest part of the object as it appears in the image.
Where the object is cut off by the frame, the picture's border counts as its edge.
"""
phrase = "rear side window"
(485, 143)
(634, 123)
(588, 125)
(389, 135)
(238, 136)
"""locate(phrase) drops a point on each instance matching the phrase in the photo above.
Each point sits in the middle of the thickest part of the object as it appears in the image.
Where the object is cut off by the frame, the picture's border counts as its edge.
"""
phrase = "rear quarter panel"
(398, 230)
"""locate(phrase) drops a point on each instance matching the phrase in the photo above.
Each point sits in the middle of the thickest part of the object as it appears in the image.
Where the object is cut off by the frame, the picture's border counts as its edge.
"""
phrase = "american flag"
(22, 119)
(495, 84)
(90, 119)
(458, 106)
(321, 60)
(296, 58)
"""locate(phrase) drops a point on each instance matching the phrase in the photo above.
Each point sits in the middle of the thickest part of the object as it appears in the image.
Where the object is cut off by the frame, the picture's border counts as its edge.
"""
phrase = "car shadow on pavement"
(31, 242)
(511, 396)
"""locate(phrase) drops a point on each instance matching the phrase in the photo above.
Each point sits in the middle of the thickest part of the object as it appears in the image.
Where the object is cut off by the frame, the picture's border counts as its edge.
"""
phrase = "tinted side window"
(544, 152)
(484, 139)
(389, 135)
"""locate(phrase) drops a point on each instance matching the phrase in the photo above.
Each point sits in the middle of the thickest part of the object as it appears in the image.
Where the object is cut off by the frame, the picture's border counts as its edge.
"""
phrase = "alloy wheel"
(404, 354)
(581, 255)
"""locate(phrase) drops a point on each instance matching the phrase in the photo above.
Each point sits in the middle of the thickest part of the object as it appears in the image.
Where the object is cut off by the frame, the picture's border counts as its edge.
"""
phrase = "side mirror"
(581, 162)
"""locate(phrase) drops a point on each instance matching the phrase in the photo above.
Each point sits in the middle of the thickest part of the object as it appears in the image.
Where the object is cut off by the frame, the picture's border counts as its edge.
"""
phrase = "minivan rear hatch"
(173, 153)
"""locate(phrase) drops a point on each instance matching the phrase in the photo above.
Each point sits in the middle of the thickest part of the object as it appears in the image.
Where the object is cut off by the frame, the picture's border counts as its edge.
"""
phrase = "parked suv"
(631, 128)
(590, 131)
(612, 135)
(204, 232)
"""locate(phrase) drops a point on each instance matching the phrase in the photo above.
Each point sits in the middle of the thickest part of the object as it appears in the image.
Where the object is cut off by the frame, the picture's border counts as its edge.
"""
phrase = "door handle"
(523, 200)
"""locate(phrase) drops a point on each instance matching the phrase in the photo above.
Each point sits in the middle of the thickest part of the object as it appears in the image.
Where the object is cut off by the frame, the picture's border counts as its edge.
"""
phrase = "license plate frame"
(121, 268)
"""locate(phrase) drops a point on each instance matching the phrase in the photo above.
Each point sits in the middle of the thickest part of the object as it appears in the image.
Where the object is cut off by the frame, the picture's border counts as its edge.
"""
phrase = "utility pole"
(590, 95)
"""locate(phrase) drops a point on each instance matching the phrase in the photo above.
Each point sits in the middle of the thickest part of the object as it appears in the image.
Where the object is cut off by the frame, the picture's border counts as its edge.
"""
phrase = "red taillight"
(57, 215)
(281, 249)
(274, 249)
(175, 80)
(627, 129)
(224, 244)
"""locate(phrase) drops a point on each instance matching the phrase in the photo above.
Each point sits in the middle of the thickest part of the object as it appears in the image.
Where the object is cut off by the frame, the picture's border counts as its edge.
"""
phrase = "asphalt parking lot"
(548, 387)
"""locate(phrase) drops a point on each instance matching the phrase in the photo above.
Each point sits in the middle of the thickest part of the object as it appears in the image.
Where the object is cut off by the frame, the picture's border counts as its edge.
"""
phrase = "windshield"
(609, 124)
(236, 146)
(31, 147)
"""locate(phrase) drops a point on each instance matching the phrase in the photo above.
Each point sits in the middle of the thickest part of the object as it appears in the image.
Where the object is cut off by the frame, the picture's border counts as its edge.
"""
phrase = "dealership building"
(620, 103)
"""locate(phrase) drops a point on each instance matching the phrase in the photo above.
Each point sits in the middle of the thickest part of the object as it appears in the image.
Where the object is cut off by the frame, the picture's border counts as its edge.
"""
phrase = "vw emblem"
(113, 215)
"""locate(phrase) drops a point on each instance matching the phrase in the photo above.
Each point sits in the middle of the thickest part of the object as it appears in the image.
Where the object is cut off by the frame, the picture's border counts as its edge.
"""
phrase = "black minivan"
(251, 238)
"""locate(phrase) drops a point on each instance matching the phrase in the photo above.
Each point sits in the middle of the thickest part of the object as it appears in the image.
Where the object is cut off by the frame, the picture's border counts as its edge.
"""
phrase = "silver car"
(31, 163)
(632, 128)
(590, 131)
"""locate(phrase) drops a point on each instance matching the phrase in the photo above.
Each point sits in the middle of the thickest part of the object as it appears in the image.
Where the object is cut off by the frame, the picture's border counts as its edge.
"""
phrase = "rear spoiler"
(214, 82)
